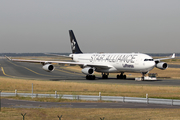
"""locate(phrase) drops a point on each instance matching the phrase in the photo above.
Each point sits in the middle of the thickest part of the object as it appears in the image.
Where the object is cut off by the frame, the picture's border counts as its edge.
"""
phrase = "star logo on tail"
(73, 43)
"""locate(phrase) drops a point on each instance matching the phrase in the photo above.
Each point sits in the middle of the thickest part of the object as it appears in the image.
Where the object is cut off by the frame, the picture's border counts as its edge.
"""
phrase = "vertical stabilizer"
(74, 45)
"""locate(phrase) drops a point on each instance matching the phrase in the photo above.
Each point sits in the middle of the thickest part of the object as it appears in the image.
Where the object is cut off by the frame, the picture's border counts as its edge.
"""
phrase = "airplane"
(104, 63)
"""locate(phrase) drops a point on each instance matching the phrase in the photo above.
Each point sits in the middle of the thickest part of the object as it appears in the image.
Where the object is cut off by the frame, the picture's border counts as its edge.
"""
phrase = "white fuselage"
(117, 62)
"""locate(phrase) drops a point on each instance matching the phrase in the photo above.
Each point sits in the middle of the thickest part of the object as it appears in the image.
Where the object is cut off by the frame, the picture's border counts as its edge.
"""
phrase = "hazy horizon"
(99, 26)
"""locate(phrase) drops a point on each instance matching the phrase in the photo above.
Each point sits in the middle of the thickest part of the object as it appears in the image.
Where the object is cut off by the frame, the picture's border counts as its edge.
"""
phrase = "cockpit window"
(148, 60)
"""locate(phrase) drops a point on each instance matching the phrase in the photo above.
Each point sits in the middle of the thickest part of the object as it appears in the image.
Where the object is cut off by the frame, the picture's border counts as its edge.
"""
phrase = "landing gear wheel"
(118, 76)
(90, 77)
(105, 75)
(124, 76)
(121, 76)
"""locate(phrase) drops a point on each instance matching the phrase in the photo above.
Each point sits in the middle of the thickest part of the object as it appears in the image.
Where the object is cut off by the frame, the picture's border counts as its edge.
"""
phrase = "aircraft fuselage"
(119, 62)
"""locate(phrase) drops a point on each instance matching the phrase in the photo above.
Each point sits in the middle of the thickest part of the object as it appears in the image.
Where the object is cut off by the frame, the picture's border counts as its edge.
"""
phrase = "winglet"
(173, 56)
(8, 58)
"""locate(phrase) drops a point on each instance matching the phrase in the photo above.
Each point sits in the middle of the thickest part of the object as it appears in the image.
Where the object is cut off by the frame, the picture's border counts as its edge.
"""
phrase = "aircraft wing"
(171, 57)
(30, 61)
(65, 56)
(98, 66)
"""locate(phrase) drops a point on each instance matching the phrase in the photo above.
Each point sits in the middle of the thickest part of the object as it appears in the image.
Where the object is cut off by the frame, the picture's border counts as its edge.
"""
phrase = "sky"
(41, 26)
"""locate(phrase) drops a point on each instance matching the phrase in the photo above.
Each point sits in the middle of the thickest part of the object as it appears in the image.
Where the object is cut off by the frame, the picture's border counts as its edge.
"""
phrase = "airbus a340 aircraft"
(105, 63)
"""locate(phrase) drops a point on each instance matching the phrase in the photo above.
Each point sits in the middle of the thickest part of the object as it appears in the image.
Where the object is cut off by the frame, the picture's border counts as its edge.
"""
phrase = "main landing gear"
(121, 76)
(90, 77)
(105, 75)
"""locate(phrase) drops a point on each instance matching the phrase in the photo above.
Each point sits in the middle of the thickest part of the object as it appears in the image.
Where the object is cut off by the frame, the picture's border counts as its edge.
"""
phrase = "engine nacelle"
(48, 67)
(88, 70)
(162, 65)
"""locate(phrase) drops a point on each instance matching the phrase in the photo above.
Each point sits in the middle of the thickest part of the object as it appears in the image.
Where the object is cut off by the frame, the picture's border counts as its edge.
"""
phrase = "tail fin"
(74, 45)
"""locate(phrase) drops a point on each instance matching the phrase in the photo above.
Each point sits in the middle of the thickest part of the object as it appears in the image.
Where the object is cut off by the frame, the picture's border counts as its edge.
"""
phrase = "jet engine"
(162, 65)
(48, 67)
(88, 70)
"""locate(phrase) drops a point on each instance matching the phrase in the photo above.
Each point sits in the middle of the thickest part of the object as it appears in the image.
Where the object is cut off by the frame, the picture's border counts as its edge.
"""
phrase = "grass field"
(77, 88)
(63, 87)
(89, 114)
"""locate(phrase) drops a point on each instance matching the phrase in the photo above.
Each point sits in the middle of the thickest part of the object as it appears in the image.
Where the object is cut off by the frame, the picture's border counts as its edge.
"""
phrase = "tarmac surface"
(35, 71)
(10, 103)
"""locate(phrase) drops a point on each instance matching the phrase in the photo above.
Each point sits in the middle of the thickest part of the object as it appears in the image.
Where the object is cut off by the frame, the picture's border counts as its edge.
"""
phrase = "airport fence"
(97, 98)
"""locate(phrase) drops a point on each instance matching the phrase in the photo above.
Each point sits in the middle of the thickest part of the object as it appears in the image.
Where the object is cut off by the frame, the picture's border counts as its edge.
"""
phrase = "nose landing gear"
(143, 74)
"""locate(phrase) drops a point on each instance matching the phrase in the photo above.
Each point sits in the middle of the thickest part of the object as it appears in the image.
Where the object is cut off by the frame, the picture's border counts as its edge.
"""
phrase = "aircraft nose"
(151, 64)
